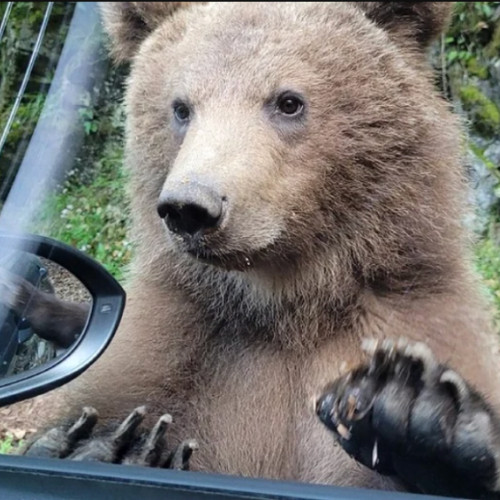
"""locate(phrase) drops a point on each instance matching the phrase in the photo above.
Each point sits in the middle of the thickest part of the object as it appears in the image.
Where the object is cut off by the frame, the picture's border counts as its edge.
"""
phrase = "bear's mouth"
(203, 254)
(197, 248)
(212, 253)
(229, 262)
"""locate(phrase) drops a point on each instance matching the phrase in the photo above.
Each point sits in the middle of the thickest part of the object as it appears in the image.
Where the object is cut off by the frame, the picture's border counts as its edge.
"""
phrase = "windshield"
(61, 126)
(62, 123)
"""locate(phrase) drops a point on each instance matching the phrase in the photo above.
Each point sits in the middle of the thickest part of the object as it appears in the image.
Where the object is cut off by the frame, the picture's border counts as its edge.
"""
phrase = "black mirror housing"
(108, 302)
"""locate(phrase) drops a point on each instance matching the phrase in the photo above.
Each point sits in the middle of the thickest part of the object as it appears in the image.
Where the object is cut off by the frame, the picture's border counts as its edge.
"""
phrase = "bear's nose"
(189, 208)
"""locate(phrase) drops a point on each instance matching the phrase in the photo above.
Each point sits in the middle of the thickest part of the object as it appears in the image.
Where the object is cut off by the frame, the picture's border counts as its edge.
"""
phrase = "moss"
(475, 68)
(479, 152)
(484, 112)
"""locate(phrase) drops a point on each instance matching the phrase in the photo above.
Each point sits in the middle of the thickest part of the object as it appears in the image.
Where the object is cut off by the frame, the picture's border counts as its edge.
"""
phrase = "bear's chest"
(255, 417)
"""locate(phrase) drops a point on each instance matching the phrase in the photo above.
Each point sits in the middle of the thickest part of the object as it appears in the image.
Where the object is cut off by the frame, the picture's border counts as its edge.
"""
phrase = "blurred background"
(61, 120)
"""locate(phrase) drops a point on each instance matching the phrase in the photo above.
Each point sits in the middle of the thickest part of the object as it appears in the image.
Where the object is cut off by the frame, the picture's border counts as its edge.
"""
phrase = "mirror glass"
(43, 311)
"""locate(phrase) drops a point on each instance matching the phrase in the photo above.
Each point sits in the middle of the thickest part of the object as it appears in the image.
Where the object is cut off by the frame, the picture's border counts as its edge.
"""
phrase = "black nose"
(190, 207)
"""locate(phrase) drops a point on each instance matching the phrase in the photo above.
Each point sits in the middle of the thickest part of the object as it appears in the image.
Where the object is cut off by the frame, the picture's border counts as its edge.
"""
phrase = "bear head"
(284, 143)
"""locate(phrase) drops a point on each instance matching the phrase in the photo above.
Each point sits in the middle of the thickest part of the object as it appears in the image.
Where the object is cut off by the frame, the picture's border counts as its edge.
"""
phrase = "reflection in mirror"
(43, 311)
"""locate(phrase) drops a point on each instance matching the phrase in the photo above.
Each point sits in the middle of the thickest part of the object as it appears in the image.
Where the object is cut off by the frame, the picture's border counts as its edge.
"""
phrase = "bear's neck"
(298, 309)
(292, 310)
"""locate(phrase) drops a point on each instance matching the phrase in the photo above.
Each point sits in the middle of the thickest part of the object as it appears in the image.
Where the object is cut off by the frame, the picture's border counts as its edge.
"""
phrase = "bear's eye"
(289, 104)
(181, 111)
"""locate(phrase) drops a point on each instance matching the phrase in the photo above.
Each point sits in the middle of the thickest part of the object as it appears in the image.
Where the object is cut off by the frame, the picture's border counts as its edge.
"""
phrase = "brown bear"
(296, 186)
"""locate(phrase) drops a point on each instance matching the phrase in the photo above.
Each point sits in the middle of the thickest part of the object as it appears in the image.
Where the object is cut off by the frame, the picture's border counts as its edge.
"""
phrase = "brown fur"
(350, 221)
(53, 319)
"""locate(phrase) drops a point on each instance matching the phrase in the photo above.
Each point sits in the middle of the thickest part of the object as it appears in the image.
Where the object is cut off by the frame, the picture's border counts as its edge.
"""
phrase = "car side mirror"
(59, 309)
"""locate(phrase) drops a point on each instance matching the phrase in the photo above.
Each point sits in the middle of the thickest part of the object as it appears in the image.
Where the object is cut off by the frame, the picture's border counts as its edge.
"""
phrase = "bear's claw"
(124, 445)
(405, 414)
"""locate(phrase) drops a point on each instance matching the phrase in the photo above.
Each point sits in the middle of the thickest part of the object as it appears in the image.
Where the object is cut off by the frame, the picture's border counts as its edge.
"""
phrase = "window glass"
(61, 127)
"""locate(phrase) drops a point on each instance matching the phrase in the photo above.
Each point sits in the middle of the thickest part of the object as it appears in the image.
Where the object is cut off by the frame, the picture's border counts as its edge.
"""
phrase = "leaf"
(486, 9)
(87, 126)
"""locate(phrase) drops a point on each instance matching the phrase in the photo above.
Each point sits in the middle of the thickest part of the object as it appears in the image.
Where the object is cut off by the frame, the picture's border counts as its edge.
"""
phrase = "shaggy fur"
(340, 225)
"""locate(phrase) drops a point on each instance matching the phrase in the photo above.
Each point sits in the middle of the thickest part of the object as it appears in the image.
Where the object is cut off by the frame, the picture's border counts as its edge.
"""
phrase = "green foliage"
(472, 44)
(93, 216)
(90, 211)
(90, 124)
(471, 31)
(9, 444)
(15, 50)
(472, 52)
(488, 264)
(6, 445)
(484, 112)
(90, 121)
(26, 116)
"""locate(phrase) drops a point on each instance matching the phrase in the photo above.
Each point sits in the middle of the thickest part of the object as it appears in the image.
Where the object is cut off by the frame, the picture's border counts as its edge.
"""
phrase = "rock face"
(483, 185)
(471, 80)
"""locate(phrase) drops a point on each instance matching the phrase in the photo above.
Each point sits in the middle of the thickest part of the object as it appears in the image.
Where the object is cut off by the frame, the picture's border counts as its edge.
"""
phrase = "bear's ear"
(420, 22)
(129, 23)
